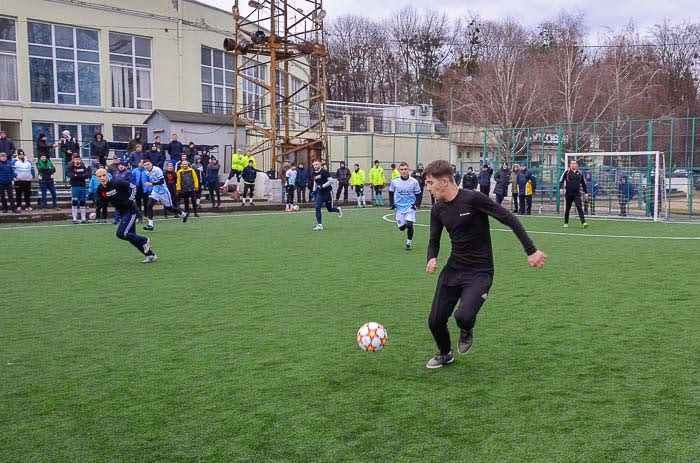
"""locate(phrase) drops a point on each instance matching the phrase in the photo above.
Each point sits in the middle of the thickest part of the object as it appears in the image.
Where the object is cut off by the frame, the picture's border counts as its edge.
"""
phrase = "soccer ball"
(371, 337)
(295, 207)
(92, 216)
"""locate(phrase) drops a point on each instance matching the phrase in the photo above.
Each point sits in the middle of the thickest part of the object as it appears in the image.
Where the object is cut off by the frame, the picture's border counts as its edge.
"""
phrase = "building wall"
(177, 31)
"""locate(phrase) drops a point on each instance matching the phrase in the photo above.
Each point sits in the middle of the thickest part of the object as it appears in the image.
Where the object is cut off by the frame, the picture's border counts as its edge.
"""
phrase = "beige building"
(104, 66)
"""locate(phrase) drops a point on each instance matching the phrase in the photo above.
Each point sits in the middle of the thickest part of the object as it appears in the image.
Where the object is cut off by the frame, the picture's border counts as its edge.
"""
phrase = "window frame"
(16, 80)
(74, 60)
(252, 92)
(223, 87)
(135, 68)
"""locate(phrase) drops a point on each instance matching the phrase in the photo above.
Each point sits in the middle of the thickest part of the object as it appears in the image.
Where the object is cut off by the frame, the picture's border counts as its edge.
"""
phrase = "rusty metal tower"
(280, 59)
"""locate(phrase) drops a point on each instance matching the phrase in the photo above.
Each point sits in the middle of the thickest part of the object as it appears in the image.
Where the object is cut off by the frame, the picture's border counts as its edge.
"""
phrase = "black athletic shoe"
(466, 339)
(184, 216)
(408, 247)
(148, 228)
(439, 360)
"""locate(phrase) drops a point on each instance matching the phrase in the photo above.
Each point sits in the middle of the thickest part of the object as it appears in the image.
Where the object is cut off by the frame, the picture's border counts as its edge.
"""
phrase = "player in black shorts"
(468, 273)
(121, 194)
(570, 185)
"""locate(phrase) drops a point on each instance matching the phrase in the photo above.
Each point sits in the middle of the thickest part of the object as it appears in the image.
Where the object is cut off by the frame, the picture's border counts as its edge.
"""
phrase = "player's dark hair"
(439, 169)
(403, 164)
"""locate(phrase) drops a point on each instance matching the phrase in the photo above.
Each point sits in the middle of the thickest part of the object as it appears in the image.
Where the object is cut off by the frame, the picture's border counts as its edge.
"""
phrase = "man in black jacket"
(570, 185)
(100, 148)
(502, 178)
(418, 175)
(249, 175)
(78, 174)
(342, 175)
(174, 149)
(469, 181)
(7, 146)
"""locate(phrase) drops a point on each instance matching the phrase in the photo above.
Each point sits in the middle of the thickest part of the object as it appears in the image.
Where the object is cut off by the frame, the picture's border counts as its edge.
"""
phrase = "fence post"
(670, 166)
(527, 146)
(371, 161)
(650, 147)
(560, 152)
(486, 141)
(347, 154)
(417, 143)
(691, 187)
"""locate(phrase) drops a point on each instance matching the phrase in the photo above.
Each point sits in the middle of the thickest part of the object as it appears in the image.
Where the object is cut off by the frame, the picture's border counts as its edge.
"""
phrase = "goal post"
(642, 171)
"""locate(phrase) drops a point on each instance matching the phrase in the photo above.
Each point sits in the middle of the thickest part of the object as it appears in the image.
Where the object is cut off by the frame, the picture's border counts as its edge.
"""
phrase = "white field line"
(592, 235)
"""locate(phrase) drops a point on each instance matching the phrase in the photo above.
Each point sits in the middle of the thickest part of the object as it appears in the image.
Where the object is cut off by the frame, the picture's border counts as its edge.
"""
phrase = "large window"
(130, 64)
(64, 65)
(84, 133)
(252, 93)
(218, 81)
(8, 60)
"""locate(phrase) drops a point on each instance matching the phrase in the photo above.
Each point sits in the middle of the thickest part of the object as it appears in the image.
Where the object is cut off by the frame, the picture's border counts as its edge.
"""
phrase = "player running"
(323, 192)
(121, 195)
(468, 273)
(405, 189)
(159, 194)
(570, 185)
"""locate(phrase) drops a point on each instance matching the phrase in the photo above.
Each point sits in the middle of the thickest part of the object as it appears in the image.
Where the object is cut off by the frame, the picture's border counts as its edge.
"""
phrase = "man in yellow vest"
(394, 174)
(357, 182)
(238, 163)
(377, 180)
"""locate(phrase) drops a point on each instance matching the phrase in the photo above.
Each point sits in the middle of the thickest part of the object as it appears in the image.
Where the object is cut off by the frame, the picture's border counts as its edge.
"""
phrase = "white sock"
(364, 200)
(408, 241)
(83, 213)
(150, 222)
(198, 200)
(74, 212)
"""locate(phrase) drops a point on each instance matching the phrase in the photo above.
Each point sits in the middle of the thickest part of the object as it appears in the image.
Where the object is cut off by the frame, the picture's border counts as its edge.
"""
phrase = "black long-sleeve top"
(573, 181)
(466, 221)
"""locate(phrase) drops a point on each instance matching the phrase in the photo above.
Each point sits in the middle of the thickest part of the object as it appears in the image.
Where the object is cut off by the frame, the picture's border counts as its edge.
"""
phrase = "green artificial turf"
(239, 345)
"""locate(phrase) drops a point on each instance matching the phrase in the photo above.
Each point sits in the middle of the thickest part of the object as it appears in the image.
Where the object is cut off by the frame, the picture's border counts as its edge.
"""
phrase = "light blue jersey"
(154, 176)
(405, 192)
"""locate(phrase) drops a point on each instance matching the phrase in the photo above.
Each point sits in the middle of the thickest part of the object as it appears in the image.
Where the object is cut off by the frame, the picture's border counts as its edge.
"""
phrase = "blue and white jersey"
(156, 177)
(405, 192)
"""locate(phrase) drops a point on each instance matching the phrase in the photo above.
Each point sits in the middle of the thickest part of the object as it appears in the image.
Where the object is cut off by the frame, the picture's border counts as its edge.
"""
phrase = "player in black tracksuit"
(570, 185)
(121, 194)
(468, 273)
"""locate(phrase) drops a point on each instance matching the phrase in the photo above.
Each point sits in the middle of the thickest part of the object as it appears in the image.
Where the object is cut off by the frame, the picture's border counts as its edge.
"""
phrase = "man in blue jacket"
(174, 149)
(626, 192)
(7, 176)
(300, 183)
(7, 146)
(484, 178)
(136, 156)
(526, 187)
(140, 178)
(154, 155)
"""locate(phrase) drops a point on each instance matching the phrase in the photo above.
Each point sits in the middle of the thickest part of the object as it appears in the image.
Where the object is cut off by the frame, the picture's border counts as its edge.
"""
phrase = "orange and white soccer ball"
(371, 337)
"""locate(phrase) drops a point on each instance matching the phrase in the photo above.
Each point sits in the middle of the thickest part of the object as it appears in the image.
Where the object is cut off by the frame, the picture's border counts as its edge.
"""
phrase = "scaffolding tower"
(285, 113)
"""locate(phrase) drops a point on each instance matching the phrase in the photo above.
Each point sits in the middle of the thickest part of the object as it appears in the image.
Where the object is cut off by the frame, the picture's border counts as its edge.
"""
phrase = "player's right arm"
(434, 242)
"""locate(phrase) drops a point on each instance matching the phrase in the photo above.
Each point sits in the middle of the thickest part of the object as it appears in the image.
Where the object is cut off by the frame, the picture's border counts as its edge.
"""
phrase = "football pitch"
(238, 345)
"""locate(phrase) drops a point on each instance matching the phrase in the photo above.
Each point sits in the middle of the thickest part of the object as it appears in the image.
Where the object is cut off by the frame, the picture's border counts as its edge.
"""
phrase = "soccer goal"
(625, 183)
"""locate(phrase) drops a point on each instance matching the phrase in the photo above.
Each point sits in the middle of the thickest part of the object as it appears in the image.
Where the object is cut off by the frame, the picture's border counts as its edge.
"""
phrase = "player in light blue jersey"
(405, 189)
(159, 194)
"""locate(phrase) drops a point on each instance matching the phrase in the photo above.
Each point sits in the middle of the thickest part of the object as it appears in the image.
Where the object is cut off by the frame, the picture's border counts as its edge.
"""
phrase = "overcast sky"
(600, 14)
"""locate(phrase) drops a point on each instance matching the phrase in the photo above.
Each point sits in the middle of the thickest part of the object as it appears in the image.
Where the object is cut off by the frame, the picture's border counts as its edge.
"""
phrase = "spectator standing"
(186, 186)
(174, 149)
(199, 170)
(159, 145)
(502, 178)
(46, 172)
(68, 146)
(139, 179)
(514, 186)
(394, 174)
(357, 181)
(191, 152)
(78, 174)
(484, 178)
(183, 157)
(213, 181)
(418, 175)
(131, 147)
(592, 188)
(205, 156)
(290, 177)
(99, 202)
(470, 180)
(154, 155)
(44, 147)
(457, 176)
(24, 174)
(377, 179)
(626, 192)
(526, 187)
(7, 145)
(342, 175)
(249, 175)
(100, 147)
(282, 175)
(237, 165)
(171, 182)
(7, 176)
(300, 183)
(136, 156)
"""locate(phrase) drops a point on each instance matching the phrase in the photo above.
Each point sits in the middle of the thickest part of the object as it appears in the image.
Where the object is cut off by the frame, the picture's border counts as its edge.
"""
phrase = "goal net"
(628, 184)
